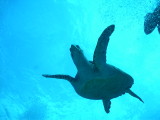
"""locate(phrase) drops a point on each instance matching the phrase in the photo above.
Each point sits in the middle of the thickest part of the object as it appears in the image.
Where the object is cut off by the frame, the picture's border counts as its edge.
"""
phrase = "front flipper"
(66, 77)
(107, 105)
(99, 57)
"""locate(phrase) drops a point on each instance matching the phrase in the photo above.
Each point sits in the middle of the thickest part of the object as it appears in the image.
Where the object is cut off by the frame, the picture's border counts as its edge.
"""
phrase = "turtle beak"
(75, 48)
(72, 47)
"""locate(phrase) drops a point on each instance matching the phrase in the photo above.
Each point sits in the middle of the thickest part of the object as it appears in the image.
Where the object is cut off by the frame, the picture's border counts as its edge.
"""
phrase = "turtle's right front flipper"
(66, 77)
(99, 57)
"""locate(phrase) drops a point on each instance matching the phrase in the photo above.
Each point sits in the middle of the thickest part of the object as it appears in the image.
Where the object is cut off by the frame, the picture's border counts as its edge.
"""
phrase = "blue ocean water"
(35, 37)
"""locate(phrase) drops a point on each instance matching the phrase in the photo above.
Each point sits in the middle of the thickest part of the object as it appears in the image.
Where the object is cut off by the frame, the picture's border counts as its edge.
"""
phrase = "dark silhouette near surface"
(152, 20)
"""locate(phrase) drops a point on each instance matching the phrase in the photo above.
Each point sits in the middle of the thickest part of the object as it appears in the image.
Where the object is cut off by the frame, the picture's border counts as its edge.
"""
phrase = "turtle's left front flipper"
(66, 77)
(107, 105)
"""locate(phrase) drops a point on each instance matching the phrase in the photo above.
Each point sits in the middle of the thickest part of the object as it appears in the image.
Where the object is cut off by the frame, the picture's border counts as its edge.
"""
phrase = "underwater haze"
(35, 37)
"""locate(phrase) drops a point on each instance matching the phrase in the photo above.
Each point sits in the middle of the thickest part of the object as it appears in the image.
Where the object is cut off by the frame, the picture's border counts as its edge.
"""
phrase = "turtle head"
(76, 51)
(78, 56)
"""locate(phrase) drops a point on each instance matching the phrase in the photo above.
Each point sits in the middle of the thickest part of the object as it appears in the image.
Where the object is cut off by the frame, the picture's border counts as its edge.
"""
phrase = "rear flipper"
(150, 23)
(107, 105)
(66, 77)
(134, 95)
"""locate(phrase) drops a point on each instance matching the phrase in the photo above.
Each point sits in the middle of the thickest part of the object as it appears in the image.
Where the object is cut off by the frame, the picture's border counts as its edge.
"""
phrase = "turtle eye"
(77, 46)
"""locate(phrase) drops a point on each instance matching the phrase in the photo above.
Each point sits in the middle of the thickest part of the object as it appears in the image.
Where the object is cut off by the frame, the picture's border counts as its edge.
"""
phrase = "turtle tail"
(66, 77)
(134, 95)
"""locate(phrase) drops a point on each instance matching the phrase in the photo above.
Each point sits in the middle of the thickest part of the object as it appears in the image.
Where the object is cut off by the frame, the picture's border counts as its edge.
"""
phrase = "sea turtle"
(152, 20)
(95, 79)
